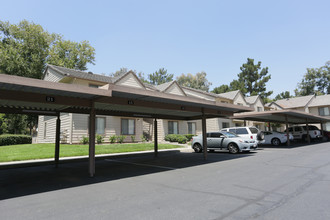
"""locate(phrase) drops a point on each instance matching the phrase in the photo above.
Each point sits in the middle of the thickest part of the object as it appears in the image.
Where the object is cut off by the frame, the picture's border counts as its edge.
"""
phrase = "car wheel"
(211, 151)
(305, 138)
(197, 148)
(276, 142)
(233, 149)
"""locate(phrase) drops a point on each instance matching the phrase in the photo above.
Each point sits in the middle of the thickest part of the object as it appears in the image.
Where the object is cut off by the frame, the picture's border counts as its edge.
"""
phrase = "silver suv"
(252, 133)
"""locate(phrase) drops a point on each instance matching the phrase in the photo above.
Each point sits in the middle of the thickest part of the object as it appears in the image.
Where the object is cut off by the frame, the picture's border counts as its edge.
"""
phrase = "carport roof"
(26, 95)
(293, 117)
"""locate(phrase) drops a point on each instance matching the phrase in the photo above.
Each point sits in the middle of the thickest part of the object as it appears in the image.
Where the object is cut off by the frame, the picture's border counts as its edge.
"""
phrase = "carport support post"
(204, 137)
(308, 137)
(287, 131)
(57, 140)
(322, 133)
(92, 141)
(155, 138)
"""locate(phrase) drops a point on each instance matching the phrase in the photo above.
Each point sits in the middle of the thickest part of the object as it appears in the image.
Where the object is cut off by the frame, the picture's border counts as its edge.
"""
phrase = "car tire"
(260, 136)
(304, 137)
(211, 151)
(276, 142)
(197, 148)
(233, 149)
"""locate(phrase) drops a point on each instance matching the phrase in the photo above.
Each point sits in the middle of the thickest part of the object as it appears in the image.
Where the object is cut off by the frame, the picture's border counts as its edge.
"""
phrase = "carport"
(284, 117)
(20, 95)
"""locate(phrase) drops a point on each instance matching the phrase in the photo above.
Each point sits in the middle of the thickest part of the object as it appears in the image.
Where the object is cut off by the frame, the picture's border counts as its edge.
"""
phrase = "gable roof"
(165, 86)
(321, 100)
(80, 74)
(230, 95)
(295, 102)
(251, 99)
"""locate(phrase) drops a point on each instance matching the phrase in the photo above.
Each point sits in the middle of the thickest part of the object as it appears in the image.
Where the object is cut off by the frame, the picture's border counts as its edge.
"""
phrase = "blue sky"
(191, 36)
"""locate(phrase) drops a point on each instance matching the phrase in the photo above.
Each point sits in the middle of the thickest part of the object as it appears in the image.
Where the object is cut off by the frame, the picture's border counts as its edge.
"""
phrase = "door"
(214, 141)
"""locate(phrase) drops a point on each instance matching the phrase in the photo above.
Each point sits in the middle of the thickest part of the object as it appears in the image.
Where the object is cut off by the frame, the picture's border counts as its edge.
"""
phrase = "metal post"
(307, 128)
(92, 141)
(322, 132)
(204, 137)
(57, 140)
(244, 123)
(287, 131)
(155, 138)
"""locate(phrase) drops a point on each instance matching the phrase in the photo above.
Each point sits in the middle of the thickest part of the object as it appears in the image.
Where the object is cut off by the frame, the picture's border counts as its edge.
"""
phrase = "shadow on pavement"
(44, 177)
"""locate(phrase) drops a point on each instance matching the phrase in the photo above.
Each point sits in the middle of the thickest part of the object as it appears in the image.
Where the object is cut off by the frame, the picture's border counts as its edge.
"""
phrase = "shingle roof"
(164, 86)
(229, 95)
(295, 102)
(251, 99)
(321, 100)
(200, 91)
(81, 74)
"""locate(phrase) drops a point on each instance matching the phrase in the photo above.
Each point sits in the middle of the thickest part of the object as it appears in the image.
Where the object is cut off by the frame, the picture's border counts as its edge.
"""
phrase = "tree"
(71, 54)
(197, 81)
(315, 81)
(27, 47)
(283, 95)
(251, 80)
(221, 89)
(159, 77)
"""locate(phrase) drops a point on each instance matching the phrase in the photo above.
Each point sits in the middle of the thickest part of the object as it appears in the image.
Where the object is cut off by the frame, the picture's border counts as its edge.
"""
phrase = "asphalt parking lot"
(271, 183)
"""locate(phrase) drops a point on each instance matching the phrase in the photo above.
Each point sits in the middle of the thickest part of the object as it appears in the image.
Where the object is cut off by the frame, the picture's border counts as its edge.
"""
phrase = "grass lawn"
(40, 151)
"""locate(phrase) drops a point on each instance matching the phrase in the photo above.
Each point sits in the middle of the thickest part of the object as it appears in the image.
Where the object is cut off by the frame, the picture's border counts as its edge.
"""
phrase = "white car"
(251, 133)
(276, 138)
(300, 132)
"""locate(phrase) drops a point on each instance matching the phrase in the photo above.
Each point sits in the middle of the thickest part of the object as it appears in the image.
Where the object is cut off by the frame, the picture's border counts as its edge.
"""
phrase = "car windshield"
(229, 134)
(310, 127)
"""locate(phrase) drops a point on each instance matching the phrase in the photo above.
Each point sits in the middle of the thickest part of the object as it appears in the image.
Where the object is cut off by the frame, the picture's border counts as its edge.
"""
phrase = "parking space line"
(141, 164)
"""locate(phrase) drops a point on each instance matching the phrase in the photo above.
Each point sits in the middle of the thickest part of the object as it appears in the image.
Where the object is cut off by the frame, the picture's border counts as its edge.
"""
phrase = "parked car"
(252, 133)
(276, 138)
(300, 132)
(224, 140)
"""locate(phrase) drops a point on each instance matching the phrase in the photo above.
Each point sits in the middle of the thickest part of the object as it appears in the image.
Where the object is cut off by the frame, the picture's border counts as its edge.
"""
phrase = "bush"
(84, 140)
(182, 139)
(121, 138)
(112, 139)
(99, 139)
(143, 138)
(133, 138)
(12, 139)
(189, 136)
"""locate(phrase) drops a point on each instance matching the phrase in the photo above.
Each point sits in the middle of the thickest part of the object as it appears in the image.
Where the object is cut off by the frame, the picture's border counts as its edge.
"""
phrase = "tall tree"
(315, 81)
(197, 81)
(26, 48)
(251, 80)
(159, 77)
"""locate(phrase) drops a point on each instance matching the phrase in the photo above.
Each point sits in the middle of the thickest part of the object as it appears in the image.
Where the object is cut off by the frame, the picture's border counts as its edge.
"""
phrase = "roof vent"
(90, 72)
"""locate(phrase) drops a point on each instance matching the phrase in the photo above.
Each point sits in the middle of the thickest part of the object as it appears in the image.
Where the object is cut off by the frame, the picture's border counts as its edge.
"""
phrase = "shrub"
(189, 136)
(121, 138)
(99, 139)
(84, 140)
(143, 138)
(133, 138)
(12, 139)
(112, 139)
(182, 139)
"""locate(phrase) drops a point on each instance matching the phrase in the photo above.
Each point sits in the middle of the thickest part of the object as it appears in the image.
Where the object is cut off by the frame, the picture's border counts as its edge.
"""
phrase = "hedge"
(12, 139)
(182, 139)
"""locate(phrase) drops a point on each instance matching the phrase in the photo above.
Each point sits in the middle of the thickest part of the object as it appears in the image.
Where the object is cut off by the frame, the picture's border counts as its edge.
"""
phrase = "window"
(298, 129)
(215, 135)
(225, 124)
(128, 126)
(254, 130)
(93, 86)
(241, 131)
(173, 127)
(324, 111)
(100, 125)
(191, 128)
(259, 109)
